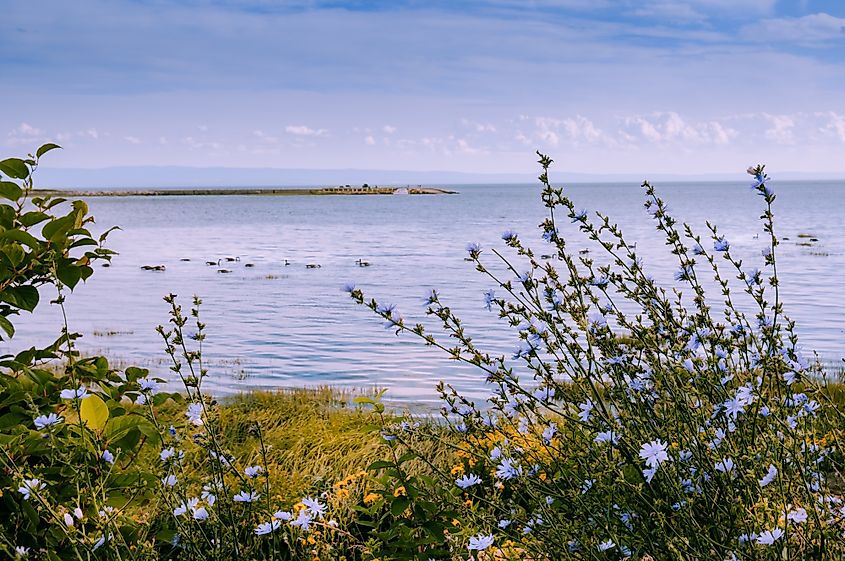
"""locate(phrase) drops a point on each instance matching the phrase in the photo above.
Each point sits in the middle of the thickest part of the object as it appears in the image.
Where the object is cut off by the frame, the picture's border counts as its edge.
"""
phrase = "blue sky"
(652, 86)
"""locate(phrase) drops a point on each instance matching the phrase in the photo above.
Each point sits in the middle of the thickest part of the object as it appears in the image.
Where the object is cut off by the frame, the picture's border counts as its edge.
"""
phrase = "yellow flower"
(457, 469)
(468, 503)
(400, 491)
(370, 498)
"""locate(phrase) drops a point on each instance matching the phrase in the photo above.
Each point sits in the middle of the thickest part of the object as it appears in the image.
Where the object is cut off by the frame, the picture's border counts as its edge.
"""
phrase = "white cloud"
(669, 126)
(303, 130)
(780, 128)
(578, 130)
(25, 129)
(24, 134)
(369, 140)
(264, 137)
(199, 144)
(672, 11)
(834, 125)
(464, 147)
(389, 129)
(813, 29)
(132, 139)
(478, 127)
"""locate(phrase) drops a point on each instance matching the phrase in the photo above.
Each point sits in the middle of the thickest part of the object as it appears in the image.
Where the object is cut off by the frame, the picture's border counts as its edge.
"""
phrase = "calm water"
(273, 325)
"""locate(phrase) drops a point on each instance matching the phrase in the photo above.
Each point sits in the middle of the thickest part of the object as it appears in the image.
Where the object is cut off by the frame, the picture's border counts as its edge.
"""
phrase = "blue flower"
(725, 465)
(580, 216)
(246, 497)
(684, 273)
(489, 299)
(315, 507)
(770, 476)
(606, 545)
(480, 542)
(473, 248)
(600, 282)
(654, 453)
(508, 470)
(29, 486)
(550, 235)
(468, 481)
(508, 235)
(586, 409)
(267, 527)
(721, 244)
(47, 421)
(194, 414)
(108, 457)
(303, 520)
(752, 276)
(769, 537)
(349, 287)
(79, 393)
(253, 471)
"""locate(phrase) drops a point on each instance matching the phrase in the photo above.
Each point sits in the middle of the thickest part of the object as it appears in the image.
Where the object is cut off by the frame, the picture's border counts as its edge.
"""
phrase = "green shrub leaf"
(10, 190)
(14, 167)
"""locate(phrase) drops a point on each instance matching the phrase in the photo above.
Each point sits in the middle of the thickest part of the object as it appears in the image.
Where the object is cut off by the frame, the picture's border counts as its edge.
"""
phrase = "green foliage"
(68, 431)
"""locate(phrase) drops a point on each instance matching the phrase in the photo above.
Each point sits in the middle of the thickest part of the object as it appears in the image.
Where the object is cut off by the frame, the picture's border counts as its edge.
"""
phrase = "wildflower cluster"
(634, 420)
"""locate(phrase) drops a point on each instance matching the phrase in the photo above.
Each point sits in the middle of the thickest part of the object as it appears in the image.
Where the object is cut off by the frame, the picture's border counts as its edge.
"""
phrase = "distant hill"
(135, 177)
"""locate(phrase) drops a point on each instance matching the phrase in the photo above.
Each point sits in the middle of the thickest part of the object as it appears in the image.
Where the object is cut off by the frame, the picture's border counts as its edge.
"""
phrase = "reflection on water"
(272, 324)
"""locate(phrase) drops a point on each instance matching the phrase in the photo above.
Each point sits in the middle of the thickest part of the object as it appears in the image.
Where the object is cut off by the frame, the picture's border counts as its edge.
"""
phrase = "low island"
(339, 190)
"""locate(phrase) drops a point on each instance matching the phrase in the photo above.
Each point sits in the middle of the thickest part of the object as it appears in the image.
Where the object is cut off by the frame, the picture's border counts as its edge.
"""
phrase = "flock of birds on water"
(363, 263)
(221, 269)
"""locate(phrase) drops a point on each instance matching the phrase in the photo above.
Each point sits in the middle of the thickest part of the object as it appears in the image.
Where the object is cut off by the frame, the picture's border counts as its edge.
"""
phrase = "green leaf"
(379, 464)
(7, 326)
(22, 237)
(45, 148)
(15, 253)
(57, 227)
(24, 297)
(10, 190)
(69, 274)
(94, 412)
(399, 505)
(118, 427)
(14, 167)
(32, 218)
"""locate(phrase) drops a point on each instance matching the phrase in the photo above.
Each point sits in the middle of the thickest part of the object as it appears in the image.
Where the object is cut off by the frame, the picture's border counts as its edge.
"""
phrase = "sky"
(603, 86)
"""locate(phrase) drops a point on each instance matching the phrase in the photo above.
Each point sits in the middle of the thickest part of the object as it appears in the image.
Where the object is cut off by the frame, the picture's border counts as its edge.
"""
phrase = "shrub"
(68, 436)
(655, 422)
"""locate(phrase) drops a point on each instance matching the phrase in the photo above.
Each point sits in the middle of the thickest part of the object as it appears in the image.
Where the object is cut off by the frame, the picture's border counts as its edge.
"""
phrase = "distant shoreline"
(314, 191)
